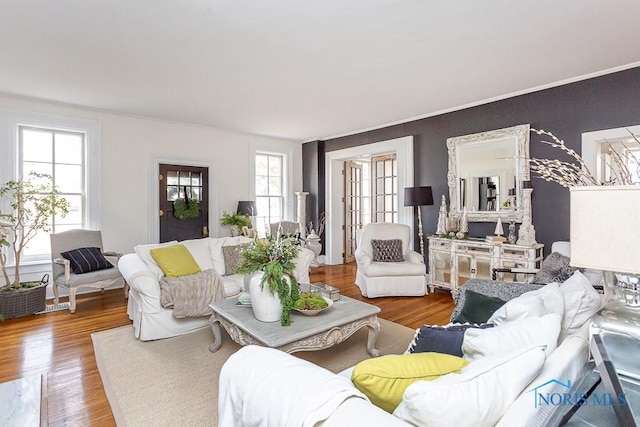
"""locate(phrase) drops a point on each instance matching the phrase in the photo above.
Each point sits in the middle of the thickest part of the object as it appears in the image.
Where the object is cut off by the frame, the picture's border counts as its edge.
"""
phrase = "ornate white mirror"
(486, 171)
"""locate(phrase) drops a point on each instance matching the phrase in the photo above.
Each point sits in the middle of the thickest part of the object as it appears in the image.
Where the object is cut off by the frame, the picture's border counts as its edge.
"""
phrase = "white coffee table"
(306, 333)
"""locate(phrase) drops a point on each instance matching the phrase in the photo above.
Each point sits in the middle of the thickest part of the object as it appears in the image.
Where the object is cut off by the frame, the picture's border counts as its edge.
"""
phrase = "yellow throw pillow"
(175, 260)
(384, 379)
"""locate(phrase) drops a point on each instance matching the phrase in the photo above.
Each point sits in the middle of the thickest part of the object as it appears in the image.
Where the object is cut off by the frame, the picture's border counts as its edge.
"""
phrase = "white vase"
(266, 306)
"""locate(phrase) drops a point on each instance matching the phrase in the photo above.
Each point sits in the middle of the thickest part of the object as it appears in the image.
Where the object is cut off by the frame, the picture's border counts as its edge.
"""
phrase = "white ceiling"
(304, 69)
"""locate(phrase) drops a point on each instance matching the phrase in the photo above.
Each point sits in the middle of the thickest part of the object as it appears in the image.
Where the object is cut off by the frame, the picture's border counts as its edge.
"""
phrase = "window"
(60, 154)
(269, 190)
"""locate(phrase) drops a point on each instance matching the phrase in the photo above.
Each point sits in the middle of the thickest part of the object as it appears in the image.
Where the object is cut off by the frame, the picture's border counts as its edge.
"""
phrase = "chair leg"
(56, 295)
(72, 299)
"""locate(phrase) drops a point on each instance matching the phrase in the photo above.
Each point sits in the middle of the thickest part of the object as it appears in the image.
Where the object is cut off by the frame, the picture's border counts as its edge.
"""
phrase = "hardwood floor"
(59, 343)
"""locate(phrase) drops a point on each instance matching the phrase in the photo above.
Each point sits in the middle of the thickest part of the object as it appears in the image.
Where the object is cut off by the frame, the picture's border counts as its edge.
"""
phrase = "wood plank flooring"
(59, 343)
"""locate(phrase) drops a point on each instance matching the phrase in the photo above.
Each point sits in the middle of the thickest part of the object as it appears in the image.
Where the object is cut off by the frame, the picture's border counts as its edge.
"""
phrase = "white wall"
(129, 145)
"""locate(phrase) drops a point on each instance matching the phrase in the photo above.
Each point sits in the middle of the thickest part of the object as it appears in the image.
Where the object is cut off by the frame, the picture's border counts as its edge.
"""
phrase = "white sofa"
(151, 321)
(468, 404)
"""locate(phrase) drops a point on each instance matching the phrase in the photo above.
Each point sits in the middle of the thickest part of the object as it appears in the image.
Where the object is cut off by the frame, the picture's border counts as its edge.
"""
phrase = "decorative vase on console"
(441, 229)
(313, 243)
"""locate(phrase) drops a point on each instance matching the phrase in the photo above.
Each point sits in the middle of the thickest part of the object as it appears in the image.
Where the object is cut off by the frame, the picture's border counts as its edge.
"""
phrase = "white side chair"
(381, 279)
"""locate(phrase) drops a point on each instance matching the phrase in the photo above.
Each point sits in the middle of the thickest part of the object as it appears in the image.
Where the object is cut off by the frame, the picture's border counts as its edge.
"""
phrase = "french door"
(352, 207)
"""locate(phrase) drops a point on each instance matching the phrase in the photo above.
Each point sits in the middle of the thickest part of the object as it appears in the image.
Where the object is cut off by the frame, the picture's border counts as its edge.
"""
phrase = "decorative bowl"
(314, 312)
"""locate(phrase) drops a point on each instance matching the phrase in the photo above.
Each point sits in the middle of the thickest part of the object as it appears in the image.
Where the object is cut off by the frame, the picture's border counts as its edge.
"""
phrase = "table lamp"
(418, 196)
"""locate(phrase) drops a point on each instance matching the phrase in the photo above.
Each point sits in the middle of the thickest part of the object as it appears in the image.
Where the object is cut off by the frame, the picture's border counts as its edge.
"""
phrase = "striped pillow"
(84, 260)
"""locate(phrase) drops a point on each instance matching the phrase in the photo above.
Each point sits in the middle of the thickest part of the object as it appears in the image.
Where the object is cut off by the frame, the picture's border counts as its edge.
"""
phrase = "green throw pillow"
(384, 379)
(175, 260)
(477, 307)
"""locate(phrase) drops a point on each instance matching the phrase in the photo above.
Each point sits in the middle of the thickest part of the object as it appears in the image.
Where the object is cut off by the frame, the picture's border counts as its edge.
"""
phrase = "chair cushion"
(381, 269)
(384, 379)
(88, 278)
(387, 250)
(555, 268)
(477, 308)
(175, 260)
(84, 260)
(445, 339)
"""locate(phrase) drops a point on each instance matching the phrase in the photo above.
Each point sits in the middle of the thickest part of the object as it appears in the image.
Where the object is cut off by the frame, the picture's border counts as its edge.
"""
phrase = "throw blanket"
(190, 296)
(262, 386)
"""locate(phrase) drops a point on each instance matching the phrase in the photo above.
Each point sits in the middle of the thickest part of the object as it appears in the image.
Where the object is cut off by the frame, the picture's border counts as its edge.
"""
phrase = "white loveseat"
(151, 321)
(494, 389)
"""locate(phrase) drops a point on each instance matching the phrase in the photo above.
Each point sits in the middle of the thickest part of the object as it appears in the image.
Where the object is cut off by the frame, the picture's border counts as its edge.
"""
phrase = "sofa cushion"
(547, 299)
(477, 308)
(387, 250)
(85, 260)
(232, 256)
(233, 284)
(477, 397)
(381, 269)
(175, 260)
(384, 379)
(555, 268)
(143, 252)
(509, 337)
(201, 252)
(445, 339)
(581, 302)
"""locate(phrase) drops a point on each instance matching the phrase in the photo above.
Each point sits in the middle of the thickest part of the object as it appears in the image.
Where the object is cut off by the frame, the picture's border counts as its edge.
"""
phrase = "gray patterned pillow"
(232, 258)
(555, 268)
(387, 250)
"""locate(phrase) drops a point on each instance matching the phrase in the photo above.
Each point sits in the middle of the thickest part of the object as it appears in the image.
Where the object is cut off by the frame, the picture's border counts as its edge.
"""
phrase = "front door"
(181, 187)
(352, 207)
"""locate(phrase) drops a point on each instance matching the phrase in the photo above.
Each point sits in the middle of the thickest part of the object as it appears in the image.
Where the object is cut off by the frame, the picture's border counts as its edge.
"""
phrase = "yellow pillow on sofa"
(175, 260)
(384, 379)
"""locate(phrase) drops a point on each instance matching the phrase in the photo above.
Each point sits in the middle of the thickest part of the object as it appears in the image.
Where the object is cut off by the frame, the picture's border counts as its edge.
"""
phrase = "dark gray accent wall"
(603, 102)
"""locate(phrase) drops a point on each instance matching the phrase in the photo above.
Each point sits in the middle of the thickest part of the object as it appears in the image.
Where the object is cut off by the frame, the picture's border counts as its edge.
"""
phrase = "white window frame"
(287, 178)
(10, 164)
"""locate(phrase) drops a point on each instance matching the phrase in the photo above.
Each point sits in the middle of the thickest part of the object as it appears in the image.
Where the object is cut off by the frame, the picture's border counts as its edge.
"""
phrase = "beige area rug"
(174, 382)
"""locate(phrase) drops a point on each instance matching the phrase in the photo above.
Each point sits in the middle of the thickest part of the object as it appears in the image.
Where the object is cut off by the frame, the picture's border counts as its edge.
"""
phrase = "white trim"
(334, 188)
(590, 141)
(153, 230)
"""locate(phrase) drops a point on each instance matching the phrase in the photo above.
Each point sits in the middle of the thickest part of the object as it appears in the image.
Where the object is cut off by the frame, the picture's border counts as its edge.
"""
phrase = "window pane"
(185, 178)
(37, 145)
(196, 178)
(262, 185)
(172, 192)
(69, 148)
(388, 187)
(39, 245)
(275, 207)
(262, 165)
(262, 206)
(172, 178)
(45, 168)
(275, 188)
(196, 193)
(275, 166)
(75, 212)
(388, 169)
(68, 178)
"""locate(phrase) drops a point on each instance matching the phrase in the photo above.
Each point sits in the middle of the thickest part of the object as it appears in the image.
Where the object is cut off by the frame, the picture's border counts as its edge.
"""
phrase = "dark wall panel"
(604, 102)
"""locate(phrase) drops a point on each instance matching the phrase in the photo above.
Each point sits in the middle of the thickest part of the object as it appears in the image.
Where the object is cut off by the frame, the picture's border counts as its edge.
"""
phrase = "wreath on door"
(185, 208)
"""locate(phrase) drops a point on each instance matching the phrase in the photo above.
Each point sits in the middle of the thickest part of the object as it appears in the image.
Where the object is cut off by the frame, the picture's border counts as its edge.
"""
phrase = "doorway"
(183, 202)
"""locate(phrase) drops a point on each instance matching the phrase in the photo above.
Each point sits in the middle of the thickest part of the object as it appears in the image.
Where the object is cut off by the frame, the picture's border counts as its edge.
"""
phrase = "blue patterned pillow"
(84, 260)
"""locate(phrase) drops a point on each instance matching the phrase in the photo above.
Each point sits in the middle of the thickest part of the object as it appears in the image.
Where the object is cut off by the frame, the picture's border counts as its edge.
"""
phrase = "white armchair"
(380, 279)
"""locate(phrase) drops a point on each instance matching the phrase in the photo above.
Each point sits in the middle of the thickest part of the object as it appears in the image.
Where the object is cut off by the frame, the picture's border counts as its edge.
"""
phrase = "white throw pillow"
(215, 246)
(548, 299)
(581, 302)
(200, 251)
(511, 336)
(144, 253)
(476, 397)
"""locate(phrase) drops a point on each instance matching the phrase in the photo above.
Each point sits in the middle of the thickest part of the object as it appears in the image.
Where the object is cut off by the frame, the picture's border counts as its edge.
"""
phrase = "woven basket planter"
(23, 302)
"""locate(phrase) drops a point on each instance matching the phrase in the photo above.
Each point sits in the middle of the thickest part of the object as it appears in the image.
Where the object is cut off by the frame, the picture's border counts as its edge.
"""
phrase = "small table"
(306, 333)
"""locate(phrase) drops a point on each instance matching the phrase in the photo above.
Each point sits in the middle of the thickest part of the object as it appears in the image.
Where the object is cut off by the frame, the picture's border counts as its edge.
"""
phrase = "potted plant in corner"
(273, 288)
(33, 201)
(236, 221)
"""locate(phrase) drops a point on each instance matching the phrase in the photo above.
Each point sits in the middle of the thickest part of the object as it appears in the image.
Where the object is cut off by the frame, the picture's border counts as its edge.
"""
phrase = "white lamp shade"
(605, 228)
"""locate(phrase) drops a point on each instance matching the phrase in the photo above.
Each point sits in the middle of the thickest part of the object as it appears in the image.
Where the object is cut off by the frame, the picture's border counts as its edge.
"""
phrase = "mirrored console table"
(454, 261)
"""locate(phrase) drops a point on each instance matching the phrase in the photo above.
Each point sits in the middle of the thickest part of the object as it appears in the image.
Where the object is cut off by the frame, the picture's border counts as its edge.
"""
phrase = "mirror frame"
(520, 134)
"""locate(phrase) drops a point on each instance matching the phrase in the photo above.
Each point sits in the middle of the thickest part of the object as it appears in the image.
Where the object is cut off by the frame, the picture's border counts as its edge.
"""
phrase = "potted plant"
(236, 221)
(33, 201)
(273, 288)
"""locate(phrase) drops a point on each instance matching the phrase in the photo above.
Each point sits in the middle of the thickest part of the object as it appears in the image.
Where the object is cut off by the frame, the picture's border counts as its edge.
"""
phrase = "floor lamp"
(418, 196)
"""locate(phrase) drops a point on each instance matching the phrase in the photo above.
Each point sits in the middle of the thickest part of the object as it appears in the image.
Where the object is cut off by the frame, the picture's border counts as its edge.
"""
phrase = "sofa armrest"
(414, 257)
(138, 275)
(362, 257)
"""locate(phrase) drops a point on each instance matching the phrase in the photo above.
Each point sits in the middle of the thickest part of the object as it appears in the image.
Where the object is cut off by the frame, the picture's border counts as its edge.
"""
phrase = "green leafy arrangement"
(275, 257)
(310, 301)
(185, 209)
(236, 219)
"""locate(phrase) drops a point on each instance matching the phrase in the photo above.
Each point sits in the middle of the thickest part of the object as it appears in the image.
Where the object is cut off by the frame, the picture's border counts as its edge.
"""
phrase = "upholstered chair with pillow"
(386, 265)
(79, 262)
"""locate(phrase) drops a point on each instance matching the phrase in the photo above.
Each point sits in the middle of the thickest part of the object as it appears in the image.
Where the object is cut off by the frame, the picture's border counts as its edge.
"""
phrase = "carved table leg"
(217, 334)
(374, 329)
